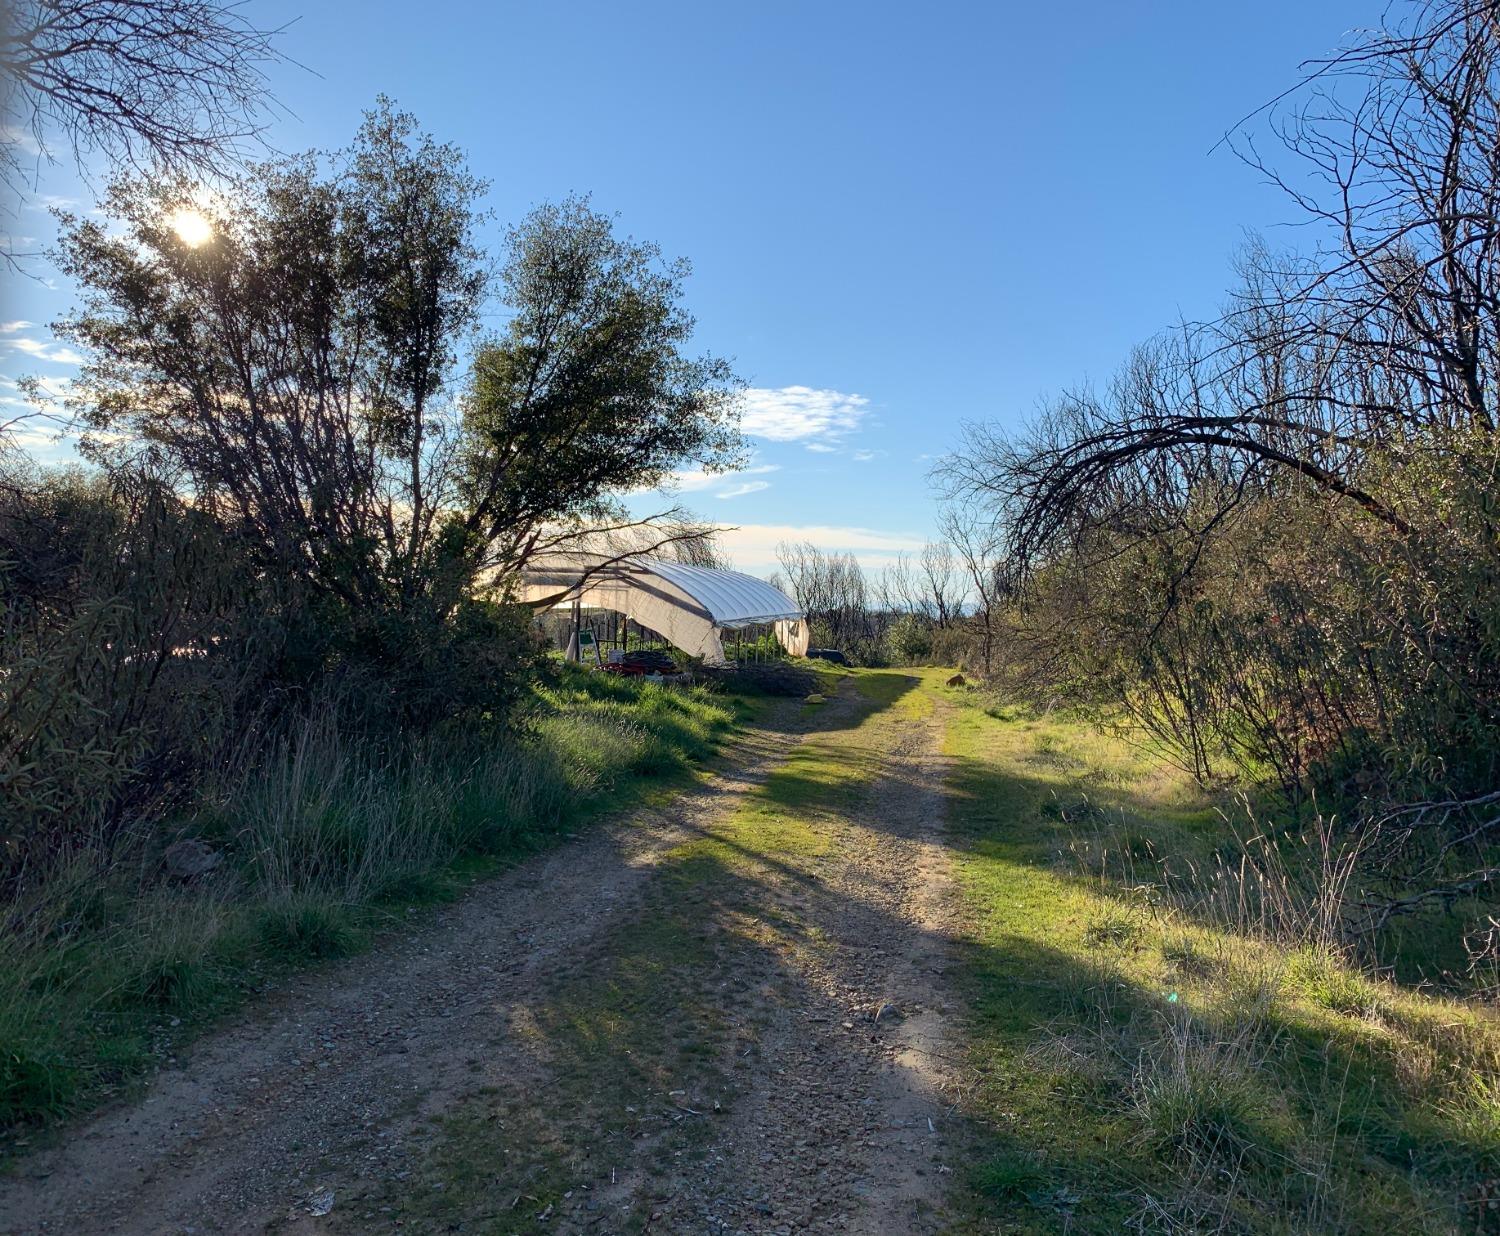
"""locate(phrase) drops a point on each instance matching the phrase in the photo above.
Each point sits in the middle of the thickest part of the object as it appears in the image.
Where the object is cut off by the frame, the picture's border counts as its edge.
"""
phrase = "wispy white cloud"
(822, 448)
(57, 353)
(46, 444)
(21, 138)
(696, 480)
(752, 547)
(866, 456)
(52, 201)
(745, 487)
(52, 393)
(40, 424)
(31, 435)
(817, 418)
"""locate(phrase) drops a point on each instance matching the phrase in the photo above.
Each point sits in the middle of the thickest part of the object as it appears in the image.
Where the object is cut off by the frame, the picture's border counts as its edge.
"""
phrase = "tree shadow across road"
(719, 1062)
(720, 1058)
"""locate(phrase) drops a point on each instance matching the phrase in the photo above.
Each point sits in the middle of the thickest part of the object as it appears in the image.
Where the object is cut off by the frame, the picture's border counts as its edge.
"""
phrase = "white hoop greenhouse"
(689, 606)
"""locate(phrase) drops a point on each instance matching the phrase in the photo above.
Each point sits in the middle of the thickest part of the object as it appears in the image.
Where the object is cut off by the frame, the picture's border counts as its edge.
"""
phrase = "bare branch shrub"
(1272, 536)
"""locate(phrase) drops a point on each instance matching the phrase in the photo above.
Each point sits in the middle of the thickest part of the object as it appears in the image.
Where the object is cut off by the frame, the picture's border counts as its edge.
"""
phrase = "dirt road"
(722, 1015)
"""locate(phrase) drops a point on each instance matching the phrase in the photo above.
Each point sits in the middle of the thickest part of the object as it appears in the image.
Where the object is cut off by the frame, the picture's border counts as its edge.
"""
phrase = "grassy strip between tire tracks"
(647, 1050)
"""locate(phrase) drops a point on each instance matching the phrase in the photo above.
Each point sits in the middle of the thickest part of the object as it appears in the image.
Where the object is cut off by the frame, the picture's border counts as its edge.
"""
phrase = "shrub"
(908, 640)
(1198, 1094)
(318, 828)
(122, 606)
(1010, 1177)
(954, 645)
(307, 926)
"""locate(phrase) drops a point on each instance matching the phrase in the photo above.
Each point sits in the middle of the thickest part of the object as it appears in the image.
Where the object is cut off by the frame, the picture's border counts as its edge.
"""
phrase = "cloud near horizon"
(37, 349)
(752, 547)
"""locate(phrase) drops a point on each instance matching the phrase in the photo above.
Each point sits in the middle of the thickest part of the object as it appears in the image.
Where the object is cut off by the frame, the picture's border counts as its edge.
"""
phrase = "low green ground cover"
(105, 970)
(1162, 1040)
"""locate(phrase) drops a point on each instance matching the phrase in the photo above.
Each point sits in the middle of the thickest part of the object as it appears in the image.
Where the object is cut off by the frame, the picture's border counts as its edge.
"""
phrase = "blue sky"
(900, 217)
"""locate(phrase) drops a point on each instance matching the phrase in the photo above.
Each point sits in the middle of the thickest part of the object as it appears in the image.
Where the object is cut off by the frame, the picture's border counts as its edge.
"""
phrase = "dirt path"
(726, 1015)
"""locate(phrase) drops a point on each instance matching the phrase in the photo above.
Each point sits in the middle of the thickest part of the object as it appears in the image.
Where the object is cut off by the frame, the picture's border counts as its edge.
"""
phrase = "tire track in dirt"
(849, 1125)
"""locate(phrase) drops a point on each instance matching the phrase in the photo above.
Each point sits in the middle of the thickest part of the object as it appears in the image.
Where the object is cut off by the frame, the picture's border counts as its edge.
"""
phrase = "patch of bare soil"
(849, 1122)
(531, 1061)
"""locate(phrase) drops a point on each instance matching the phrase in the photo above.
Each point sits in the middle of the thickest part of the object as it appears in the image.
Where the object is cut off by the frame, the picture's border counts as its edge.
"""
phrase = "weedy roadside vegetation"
(324, 839)
(1268, 550)
(270, 616)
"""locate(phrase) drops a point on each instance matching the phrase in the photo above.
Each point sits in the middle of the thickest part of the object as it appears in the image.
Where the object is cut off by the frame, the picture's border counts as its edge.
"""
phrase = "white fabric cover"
(688, 605)
(792, 632)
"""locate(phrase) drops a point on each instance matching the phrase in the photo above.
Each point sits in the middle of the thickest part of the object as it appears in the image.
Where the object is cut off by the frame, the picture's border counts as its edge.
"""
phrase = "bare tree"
(896, 588)
(942, 583)
(977, 546)
(1273, 537)
(674, 534)
(830, 588)
(178, 84)
(1325, 370)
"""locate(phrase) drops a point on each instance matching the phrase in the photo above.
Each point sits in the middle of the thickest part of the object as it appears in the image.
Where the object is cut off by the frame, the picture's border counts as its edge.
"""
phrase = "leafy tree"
(909, 639)
(588, 392)
(287, 354)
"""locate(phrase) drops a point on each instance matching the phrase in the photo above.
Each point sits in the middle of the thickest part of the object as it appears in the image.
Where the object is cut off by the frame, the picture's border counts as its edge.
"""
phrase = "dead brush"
(1482, 944)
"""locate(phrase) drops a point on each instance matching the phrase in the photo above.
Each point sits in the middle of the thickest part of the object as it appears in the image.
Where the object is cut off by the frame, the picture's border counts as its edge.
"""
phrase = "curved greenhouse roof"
(688, 605)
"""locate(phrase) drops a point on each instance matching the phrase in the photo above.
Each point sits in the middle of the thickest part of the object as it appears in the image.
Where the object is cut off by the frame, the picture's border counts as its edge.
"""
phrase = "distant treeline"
(922, 608)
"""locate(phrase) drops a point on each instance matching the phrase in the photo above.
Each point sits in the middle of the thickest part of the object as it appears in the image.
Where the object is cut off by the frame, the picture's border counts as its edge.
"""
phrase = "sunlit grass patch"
(1009, 1177)
(1174, 1046)
(1325, 979)
(825, 773)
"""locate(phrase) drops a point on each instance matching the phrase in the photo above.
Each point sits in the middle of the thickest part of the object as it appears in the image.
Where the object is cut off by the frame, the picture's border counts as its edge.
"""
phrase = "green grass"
(1150, 1053)
(1150, 1046)
(106, 972)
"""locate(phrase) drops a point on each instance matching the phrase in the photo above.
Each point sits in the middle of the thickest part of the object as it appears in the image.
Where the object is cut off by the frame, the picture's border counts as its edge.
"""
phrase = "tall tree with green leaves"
(289, 353)
(589, 392)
